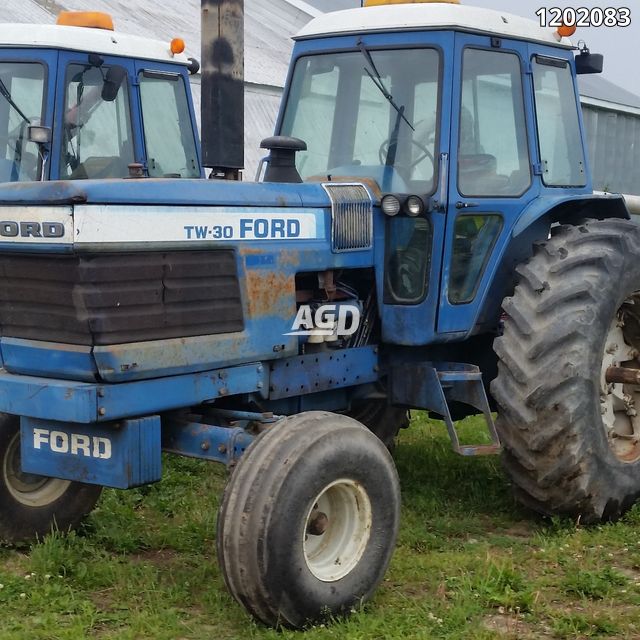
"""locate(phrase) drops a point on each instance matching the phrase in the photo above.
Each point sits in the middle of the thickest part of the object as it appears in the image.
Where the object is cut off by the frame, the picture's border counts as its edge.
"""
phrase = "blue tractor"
(426, 236)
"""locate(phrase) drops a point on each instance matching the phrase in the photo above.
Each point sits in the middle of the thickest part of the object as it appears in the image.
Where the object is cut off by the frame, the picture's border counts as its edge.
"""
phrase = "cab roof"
(101, 41)
(430, 16)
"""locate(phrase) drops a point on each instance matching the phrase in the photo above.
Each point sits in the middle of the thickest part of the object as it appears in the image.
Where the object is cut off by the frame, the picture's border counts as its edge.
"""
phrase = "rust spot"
(268, 291)
(289, 259)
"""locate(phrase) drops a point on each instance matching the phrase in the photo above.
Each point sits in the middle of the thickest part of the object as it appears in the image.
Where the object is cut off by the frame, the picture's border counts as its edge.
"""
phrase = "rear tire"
(565, 450)
(31, 505)
(381, 419)
(308, 520)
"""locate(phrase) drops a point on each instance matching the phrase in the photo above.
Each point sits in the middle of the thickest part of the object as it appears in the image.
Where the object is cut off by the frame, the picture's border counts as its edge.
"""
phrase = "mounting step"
(433, 386)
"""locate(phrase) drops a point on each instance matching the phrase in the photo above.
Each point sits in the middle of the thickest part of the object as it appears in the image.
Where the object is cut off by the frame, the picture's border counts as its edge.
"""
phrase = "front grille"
(117, 298)
(351, 217)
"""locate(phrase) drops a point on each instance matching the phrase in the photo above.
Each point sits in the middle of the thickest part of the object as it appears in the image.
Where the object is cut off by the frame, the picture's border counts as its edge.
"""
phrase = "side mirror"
(587, 62)
(39, 135)
(113, 82)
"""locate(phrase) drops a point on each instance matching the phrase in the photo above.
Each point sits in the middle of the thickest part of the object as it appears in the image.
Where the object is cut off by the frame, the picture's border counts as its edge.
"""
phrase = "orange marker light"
(177, 46)
(566, 31)
(91, 19)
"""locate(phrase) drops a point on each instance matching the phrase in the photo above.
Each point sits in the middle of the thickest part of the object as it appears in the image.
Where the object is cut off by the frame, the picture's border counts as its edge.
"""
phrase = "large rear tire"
(570, 438)
(308, 520)
(30, 505)
(381, 419)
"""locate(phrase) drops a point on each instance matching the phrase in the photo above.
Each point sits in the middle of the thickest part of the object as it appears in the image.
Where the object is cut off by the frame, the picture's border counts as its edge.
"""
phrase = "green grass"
(470, 563)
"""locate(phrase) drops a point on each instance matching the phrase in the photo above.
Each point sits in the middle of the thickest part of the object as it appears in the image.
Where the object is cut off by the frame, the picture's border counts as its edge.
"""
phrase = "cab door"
(96, 133)
(491, 171)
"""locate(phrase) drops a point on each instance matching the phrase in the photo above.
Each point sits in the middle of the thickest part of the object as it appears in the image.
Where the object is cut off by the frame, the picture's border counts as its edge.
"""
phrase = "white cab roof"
(430, 16)
(101, 41)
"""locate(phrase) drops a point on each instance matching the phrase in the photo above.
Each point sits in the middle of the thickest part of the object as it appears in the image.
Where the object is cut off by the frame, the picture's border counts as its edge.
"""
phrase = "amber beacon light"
(91, 19)
(177, 46)
(566, 31)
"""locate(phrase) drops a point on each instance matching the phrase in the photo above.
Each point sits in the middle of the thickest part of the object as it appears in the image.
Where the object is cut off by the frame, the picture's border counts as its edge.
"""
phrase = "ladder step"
(458, 376)
(479, 450)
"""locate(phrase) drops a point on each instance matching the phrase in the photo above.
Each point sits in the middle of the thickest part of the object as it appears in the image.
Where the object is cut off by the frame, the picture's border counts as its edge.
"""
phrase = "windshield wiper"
(376, 78)
(7, 96)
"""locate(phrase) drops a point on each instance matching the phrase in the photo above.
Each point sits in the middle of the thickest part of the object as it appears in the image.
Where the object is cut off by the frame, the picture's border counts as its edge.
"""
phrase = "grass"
(470, 563)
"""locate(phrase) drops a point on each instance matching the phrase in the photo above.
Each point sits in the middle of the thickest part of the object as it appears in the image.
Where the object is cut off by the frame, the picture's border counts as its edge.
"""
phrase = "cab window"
(97, 134)
(168, 132)
(493, 153)
(557, 109)
(21, 105)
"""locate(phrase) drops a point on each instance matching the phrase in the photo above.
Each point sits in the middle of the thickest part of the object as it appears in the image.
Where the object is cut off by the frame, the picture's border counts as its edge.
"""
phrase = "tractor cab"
(464, 118)
(80, 101)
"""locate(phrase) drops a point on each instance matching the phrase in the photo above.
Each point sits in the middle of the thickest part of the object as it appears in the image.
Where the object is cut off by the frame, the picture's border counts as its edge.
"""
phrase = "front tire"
(31, 505)
(309, 520)
(570, 438)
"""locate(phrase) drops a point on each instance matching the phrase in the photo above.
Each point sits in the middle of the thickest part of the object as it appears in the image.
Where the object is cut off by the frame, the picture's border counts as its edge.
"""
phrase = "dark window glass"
(472, 245)
(408, 264)
(493, 154)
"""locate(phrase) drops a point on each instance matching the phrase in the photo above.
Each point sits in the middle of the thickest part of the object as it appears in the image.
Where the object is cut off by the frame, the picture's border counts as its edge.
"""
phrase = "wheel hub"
(618, 400)
(337, 530)
(29, 489)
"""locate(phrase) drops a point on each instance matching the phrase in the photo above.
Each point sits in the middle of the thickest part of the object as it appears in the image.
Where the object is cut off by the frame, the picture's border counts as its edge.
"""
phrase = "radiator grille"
(118, 298)
(351, 217)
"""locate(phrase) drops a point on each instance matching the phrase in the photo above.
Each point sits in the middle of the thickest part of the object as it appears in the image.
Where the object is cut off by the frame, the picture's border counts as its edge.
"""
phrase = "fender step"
(434, 385)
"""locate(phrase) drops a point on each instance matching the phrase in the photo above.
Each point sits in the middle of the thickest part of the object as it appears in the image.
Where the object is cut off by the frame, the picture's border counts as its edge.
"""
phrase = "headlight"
(414, 206)
(391, 205)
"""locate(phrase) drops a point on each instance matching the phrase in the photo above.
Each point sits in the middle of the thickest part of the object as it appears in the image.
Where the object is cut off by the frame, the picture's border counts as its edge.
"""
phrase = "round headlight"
(390, 205)
(414, 206)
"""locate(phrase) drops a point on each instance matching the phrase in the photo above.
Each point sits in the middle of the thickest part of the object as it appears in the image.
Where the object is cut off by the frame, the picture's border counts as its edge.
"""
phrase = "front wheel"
(30, 505)
(309, 520)
(571, 432)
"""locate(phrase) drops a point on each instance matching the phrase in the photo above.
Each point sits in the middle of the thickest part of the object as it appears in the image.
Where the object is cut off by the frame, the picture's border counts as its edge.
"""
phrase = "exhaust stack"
(222, 106)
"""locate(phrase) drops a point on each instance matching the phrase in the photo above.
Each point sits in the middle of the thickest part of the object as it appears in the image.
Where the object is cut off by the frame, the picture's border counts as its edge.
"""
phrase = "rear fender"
(533, 226)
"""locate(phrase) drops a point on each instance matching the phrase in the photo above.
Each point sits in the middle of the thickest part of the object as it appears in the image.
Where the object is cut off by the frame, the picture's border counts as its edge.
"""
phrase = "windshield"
(98, 141)
(21, 104)
(368, 113)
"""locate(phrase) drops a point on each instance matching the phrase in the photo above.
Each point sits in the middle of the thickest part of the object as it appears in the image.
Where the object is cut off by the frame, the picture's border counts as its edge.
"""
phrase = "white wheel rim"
(29, 489)
(337, 530)
(619, 402)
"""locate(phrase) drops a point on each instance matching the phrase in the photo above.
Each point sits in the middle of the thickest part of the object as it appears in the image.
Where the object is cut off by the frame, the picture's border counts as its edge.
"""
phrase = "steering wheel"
(384, 149)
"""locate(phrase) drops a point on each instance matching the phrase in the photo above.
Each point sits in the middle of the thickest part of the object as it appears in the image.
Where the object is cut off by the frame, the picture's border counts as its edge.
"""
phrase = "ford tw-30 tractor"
(426, 236)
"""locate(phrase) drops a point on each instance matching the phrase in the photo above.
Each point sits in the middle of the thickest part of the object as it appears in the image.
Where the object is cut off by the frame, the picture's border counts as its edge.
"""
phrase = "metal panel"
(48, 398)
(122, 455)
(36, 358)
(315, 372)
(85, 403)
(138, 398)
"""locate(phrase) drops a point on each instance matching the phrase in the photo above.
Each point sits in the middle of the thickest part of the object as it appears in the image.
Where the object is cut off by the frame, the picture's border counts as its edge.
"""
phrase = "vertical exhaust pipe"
(222, 106)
